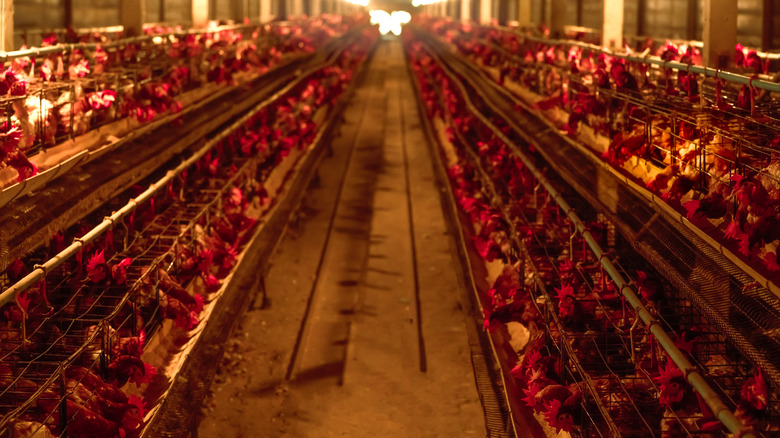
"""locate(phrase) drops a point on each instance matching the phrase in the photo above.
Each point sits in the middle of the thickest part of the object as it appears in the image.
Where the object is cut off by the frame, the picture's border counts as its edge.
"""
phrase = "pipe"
(691, 373)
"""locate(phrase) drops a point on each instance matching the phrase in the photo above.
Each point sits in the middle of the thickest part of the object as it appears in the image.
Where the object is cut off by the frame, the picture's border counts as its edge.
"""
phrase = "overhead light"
(358, 2)
(389, 23)
(402, 17)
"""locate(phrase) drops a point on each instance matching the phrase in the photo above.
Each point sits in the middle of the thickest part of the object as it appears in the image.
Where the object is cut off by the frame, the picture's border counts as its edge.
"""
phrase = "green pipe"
(692, 374)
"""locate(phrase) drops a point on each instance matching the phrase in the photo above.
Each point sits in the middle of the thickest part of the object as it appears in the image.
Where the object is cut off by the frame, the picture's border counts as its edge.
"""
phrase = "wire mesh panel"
(586, 333)
(70, 98)
(71, 341)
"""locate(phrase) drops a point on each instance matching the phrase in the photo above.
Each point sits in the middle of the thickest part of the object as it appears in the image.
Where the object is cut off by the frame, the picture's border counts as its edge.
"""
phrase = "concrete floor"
(382, 350)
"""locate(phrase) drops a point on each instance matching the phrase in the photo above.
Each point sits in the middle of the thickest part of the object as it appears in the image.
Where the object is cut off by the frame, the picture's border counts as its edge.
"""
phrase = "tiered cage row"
(591, 365)
(705, 144)
(62, 99)
(76, 353)
(709, 155)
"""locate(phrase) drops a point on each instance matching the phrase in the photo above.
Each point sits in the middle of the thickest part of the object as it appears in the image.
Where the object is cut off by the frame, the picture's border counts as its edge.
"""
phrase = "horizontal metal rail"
(691, 372)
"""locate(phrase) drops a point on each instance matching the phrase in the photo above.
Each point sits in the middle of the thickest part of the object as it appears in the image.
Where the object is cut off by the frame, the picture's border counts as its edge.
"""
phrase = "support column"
(465, 10)
(340, 7)
(612, 30)
(296, 8)
(315, 8)
(237, 12)
(452, 10)
(485, 9)
(502, 11)
(131, 15)
(767, 25)
(265, 11)
(557, 17)
(720, 33)
(67, 15)
(7, 25)
(200, 13)
(524, 13)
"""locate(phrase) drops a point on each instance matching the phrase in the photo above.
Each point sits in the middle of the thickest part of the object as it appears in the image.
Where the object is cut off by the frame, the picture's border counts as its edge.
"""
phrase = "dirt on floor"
(389, 311)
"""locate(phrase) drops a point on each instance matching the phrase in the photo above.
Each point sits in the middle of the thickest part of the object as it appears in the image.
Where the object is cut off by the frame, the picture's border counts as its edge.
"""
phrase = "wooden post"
(131, 15)
(767, 27)
(557, 17)
(641, 13)
(693, 19)
(265, 11)
(612, 29)
(720, 33)
(67, 16)
(465, 10)
(200, 13)
(315, 8)
(485, 9)
(524, 13)
(503, 12)
(7, 25)
(296, 8)
(237, 12)
(579, 12)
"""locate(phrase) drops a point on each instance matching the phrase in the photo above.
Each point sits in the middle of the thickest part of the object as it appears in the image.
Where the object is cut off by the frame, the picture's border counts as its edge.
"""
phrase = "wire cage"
(61, 95)
(602, 346)
(73, 339)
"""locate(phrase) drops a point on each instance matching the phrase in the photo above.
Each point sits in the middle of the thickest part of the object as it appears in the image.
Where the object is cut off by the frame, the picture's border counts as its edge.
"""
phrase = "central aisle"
(361, 334)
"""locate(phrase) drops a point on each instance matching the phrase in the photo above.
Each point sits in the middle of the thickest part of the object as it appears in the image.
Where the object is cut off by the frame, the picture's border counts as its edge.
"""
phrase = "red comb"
(565, 291)
(96, 260)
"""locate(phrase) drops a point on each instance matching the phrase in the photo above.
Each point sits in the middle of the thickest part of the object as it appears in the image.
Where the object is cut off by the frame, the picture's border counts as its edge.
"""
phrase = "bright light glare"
(389, 22)
(402, 17)
(358, 2)
(417, 3)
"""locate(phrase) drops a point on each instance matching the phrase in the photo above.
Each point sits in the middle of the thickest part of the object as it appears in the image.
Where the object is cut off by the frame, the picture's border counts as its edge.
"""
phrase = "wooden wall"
(679, 19)
(674, 19)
